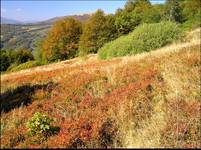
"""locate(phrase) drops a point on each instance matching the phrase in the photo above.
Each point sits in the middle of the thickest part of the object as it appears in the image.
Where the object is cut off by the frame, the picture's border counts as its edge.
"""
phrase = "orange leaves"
(81, 102)
(183, 124)
(87, 105)
(62, 41)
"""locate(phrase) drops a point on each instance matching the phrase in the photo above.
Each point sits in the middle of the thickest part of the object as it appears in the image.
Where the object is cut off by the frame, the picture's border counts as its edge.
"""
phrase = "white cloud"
(18, 9)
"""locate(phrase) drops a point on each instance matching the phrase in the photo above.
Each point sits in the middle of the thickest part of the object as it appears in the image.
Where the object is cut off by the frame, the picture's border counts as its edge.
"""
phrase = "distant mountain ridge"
(15, 34)
(10, 21)
(82, 17)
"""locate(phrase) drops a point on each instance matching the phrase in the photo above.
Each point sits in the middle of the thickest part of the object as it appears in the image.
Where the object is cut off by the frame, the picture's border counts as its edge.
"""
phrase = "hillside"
(147, 100)
(82, 18)
(24, 35)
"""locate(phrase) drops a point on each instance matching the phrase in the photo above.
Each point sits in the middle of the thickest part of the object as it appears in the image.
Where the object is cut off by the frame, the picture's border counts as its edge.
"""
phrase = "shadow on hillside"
(22, 95)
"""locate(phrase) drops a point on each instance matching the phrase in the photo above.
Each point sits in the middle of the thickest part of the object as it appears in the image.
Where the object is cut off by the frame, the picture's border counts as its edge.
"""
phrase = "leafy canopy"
(98, 30)
(62, 40)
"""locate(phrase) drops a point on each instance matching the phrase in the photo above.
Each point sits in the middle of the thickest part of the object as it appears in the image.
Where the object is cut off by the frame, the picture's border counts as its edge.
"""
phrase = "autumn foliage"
(147, 100)
(97, 31)
(62, 41)
(98, 105)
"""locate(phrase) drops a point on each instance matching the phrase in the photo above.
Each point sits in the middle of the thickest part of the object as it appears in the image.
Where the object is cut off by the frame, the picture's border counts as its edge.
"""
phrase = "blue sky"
(41, 10)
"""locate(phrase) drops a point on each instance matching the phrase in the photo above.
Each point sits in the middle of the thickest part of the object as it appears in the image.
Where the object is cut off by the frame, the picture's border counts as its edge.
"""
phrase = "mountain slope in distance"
(9, 21)
(82, 18)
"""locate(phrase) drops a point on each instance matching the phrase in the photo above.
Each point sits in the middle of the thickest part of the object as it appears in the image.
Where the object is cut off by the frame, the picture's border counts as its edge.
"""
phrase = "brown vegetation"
(148, 100)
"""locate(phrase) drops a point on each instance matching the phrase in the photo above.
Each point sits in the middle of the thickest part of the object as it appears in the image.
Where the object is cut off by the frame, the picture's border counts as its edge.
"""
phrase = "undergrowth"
(150, 102)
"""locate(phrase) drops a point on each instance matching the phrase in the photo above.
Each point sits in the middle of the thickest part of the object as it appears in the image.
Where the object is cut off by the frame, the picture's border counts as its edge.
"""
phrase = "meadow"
(149, 100)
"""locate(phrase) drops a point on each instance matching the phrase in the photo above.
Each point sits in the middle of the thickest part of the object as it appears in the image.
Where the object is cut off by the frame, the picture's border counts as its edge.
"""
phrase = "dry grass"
(149, 100)
(193, 38)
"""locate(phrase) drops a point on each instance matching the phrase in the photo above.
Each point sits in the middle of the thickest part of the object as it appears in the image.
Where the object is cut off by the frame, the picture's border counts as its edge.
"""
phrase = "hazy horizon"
(33, 11)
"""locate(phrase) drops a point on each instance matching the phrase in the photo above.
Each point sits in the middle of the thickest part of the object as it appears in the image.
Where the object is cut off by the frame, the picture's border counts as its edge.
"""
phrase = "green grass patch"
(23, 66)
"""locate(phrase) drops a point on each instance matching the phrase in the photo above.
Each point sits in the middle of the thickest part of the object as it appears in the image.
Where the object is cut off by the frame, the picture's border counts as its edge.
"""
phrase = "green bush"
(192, 23)
(23, 55)
(26, 65)
(39, 124)
(146, 37)
(38, 54)
(5, 60)
(12, 58)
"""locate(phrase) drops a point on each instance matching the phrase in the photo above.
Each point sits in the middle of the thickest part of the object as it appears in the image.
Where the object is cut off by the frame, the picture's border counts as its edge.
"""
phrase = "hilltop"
(147, 100)
(81, 17)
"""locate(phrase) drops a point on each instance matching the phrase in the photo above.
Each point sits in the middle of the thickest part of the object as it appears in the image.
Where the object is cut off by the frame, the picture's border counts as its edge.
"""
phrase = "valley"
(25, 35)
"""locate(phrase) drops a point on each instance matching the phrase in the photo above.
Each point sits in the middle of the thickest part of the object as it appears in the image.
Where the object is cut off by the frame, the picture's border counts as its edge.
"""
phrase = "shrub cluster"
(10, 58)
(144, 38)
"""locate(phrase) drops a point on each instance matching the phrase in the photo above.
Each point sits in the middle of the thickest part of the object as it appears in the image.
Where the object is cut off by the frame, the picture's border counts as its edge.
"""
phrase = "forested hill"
(21, 36)
(83, 18)
(24, 35)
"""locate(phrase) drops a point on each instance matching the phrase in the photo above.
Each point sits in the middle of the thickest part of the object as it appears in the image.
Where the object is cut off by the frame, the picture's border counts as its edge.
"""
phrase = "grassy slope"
(147, 100)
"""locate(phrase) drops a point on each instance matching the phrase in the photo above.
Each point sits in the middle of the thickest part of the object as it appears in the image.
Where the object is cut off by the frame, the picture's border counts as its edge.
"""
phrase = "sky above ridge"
(35, 10)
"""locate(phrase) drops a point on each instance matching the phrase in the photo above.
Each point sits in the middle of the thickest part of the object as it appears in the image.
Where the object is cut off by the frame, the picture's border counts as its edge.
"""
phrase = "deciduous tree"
(173, 10)
(97, 31)
(62, 40)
